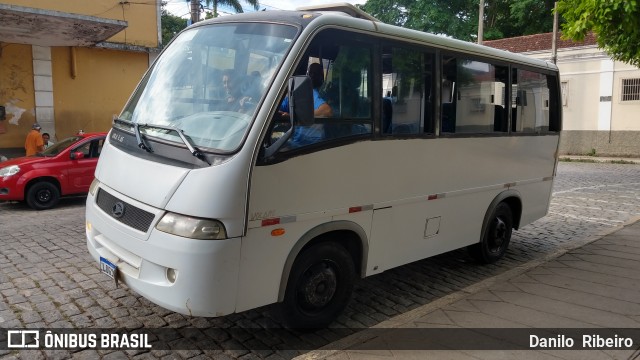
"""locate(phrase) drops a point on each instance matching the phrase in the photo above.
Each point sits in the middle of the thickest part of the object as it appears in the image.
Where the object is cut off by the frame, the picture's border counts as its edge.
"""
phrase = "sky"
(181, 7)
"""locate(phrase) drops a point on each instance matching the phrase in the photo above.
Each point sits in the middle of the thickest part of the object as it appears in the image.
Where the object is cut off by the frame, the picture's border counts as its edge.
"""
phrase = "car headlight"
(9, 170)
(191, 227)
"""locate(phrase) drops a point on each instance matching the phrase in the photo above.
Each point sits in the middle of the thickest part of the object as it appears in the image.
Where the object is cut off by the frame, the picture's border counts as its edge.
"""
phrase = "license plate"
(109, 268)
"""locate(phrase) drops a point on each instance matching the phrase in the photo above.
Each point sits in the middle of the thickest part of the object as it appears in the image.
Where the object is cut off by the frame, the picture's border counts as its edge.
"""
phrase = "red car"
(65, 168)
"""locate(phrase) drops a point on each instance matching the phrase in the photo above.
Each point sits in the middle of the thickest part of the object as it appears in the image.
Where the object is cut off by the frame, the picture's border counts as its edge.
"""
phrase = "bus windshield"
(208, 83)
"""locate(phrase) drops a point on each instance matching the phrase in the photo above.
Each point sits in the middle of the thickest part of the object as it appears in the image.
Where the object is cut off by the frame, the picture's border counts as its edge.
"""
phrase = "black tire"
(496, 237)
(319, 287)
(43, 195)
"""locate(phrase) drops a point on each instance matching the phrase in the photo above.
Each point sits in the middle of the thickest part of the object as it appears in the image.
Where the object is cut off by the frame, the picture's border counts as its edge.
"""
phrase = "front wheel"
(43, 195)
(319, 287)
(496, 237)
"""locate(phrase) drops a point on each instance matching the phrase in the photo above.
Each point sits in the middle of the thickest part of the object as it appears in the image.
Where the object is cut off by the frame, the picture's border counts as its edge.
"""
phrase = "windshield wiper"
(140, 139)
(191, 146)
(143, 144)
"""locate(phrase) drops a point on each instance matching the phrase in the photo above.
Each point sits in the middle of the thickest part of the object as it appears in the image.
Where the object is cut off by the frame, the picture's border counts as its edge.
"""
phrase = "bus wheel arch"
(319, 274)
(502, 217)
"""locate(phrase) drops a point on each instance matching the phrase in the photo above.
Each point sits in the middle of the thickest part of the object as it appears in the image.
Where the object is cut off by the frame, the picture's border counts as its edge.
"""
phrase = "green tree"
(235, 4)
(170, 26)
(459, 18)
(450, 17)
(615, 22)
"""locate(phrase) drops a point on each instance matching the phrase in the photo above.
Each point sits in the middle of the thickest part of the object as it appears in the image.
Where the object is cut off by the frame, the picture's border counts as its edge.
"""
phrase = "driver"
(229, 94)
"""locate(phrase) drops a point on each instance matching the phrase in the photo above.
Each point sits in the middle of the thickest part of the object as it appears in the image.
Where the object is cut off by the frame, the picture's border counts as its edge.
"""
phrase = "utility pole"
(195, 11)
(481, 23)
(554, 47)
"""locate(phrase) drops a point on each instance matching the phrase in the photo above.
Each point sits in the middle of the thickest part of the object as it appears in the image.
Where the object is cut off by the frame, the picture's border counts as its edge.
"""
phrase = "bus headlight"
(94, 186)
(191, 227)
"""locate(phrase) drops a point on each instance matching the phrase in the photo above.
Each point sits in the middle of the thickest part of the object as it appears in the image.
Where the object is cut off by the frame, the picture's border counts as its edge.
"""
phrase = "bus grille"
(124, 212)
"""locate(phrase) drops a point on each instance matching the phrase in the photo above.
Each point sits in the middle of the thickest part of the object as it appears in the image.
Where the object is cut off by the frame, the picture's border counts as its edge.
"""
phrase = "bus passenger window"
(473, 96)
(531, 102)
(406, 91)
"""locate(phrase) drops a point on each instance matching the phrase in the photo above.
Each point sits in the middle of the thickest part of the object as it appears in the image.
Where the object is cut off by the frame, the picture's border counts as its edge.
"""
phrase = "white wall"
(594, 115)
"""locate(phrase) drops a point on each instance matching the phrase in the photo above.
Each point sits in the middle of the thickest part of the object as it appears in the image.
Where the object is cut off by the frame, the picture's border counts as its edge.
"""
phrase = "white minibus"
(277, 156)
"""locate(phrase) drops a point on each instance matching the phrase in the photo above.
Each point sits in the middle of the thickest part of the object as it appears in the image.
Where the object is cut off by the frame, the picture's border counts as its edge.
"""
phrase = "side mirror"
(300, 110)
(301, 100)
(77, 155)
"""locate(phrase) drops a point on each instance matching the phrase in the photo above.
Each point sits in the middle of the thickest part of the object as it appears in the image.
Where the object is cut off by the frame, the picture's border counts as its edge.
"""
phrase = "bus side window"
(406, 85)
(531, 110)
(473, 96)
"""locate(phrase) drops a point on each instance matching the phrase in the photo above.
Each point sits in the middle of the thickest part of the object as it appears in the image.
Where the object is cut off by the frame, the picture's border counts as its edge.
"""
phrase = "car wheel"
(319, 287)
(496, 237)
(43, 195)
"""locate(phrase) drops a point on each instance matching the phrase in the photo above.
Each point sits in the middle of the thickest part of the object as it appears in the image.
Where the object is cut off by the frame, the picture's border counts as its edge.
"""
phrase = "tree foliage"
(170, 26)
(234, 4)
(459, 18)
(615, 22)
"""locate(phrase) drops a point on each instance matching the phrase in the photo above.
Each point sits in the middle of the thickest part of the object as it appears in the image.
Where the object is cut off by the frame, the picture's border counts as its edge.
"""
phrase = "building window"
(565, 93)
(630, 89)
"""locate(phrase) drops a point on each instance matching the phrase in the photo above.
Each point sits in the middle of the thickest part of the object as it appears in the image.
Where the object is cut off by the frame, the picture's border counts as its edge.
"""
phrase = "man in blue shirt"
(304, 135)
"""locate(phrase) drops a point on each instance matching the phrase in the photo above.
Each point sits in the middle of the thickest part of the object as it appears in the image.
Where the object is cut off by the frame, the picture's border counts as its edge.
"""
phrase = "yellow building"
(71, 65)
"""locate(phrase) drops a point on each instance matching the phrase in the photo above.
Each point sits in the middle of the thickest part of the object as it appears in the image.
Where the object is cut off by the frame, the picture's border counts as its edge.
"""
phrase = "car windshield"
(60, 146)
(208, 83)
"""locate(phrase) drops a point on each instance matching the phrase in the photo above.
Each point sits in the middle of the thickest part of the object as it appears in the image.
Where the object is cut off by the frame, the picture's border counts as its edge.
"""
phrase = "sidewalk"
(588, 289)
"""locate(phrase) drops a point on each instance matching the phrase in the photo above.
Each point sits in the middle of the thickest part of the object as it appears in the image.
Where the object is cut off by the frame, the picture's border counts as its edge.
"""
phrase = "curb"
(596, 159)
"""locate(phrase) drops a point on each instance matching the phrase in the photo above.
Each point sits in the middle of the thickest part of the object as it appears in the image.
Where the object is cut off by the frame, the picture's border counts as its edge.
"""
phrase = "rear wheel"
(319, 287)
(496, 237)
(43, 195)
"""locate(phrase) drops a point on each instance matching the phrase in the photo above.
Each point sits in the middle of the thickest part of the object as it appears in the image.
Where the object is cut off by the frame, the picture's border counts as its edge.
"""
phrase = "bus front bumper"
(191, 277)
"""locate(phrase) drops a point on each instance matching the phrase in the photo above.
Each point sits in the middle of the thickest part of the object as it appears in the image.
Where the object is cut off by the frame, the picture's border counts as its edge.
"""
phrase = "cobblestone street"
(48, 279)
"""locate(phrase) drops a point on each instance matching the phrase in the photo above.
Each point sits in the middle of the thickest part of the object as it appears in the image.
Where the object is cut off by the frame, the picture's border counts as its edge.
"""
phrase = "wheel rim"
(317, 286)
(498, 236)
(43, 196)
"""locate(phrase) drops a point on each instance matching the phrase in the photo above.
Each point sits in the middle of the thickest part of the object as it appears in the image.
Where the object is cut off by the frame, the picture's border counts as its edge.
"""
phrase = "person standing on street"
(47, 142)
(34, 143)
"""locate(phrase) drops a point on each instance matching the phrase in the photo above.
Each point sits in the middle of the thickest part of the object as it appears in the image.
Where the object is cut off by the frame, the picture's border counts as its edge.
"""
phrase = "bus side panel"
(405, 233)
(438, 190)
(534, 203)
(464, 176)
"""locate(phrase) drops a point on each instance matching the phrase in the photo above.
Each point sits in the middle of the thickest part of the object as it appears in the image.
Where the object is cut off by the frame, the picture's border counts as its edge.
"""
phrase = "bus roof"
(346, 8)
